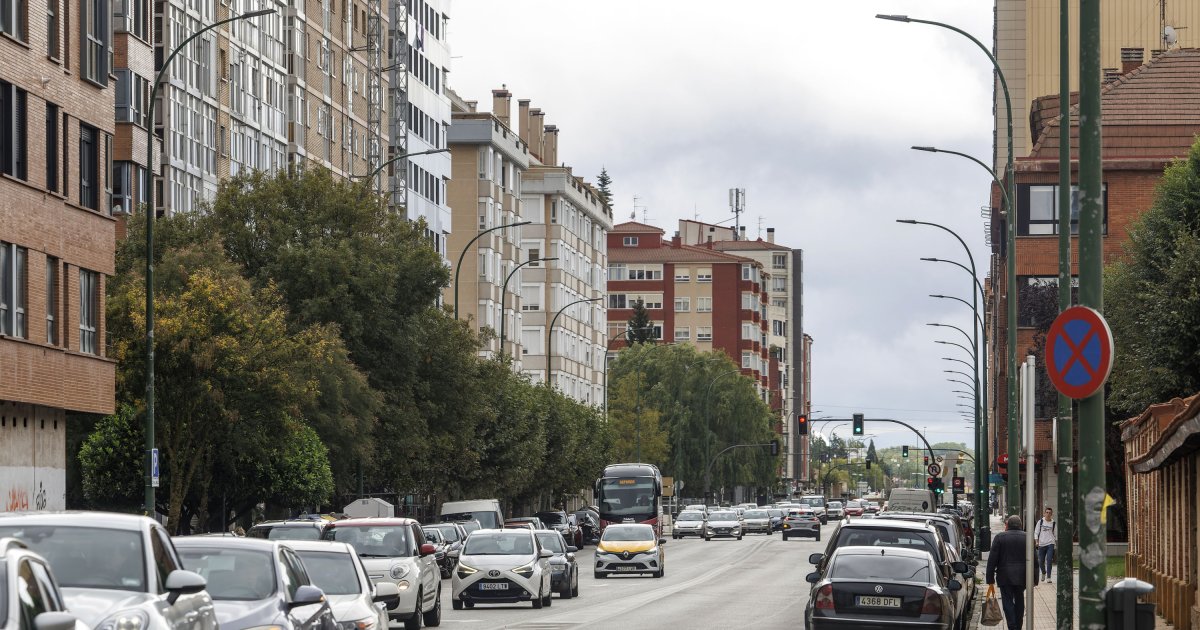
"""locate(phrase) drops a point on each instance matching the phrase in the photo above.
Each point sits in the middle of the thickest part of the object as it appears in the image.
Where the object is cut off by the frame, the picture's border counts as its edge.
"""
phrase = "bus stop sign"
(1079, 352)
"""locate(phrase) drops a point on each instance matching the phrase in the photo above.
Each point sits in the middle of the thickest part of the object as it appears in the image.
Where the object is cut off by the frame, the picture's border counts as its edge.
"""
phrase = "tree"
(112, 469)
(604, 183)
(640, 326)
(633, 421)
(871, 456)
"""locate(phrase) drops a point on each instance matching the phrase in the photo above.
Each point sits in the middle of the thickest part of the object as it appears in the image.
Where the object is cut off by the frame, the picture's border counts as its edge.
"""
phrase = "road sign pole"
(1092, 543)
(1029, 441)
(1064, 548)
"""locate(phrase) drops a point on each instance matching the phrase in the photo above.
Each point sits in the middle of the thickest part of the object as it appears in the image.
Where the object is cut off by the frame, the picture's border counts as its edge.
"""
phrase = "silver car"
(756, 521)
(502, 566)
(723, 524)
(335, 567)
(118, 571)
(28, 591)
(688, 523)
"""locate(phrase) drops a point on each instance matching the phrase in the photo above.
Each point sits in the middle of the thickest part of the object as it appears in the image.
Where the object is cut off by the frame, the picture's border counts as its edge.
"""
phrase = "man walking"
(1044, 536)
(1006, 568)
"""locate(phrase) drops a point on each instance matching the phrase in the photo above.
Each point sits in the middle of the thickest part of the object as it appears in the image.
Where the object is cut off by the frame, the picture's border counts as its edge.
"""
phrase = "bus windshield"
(628, 497)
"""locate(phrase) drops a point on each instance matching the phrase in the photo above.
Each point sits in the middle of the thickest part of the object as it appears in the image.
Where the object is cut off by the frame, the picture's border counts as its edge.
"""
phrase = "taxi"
(630, 548)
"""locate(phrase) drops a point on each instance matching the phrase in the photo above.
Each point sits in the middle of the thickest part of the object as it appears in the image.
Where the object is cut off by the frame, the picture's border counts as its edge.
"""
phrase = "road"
(754, 582)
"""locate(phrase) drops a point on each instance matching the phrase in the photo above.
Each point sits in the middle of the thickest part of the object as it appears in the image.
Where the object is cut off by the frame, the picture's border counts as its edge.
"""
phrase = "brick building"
(1151, 116)
(57, 237)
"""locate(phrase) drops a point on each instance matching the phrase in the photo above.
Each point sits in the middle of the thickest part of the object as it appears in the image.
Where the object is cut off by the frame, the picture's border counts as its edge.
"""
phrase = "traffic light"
(858, 424)
(939, 486)
(774, 448)
(802, 422)
(904, 451)
(926, 460)
(929, 482)
(958, 483)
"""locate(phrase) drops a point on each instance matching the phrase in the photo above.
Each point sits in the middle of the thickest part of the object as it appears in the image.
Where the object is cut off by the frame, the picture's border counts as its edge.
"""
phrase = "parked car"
(630, 548)
(870, 587)
(502, 566)
(256, 583)
(29, 595)
(295, 529)
(486, 511)
(564, 570)
(696, 507)
(564, 524)
(756, 521)
(870, 507)
(116, 567)
(688, 523)
(357, 603)
(394, 550)
(800, 522)
(835, 510)
(455, 535)
(440, 555)
(956, 543)
(722, 524)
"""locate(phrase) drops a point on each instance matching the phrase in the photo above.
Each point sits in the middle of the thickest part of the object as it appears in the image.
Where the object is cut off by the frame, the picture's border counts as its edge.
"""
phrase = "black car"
(441, 551)
(563, 523)
(454, 535)
(881, 587)
(564, 570)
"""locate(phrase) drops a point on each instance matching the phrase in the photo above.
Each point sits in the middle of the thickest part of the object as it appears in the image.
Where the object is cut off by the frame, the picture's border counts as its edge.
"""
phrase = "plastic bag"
(989, 614)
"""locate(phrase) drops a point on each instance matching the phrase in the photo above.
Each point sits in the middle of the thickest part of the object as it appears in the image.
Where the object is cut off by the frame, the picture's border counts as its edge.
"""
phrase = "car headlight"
(558, 568)
(465, 570)
(525, 570)
(399, 571)
(360, 624)
(125, 620)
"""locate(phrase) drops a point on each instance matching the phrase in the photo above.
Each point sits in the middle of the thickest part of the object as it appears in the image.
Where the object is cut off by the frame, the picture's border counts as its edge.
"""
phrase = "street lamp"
(1014, 488)
(151, 213)
(951, 343)
(974, 312)
(504, 293)
(458, 267)
(957, 360)
(550, 336)
(378, 169)
(707, 391)
(964, 333)
(995, 177)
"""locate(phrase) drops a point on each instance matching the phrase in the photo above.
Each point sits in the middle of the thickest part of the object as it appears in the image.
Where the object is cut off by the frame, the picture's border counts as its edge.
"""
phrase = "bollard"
(1122, 610)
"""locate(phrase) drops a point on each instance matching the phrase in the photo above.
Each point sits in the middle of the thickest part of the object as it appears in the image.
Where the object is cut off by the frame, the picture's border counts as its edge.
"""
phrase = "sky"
(809, 106)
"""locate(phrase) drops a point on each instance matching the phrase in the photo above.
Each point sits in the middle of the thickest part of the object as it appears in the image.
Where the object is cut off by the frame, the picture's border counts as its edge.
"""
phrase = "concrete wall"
(33, 456)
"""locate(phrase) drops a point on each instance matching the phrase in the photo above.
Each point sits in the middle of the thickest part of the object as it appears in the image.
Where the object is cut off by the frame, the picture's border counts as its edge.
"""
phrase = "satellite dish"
(1170, 37)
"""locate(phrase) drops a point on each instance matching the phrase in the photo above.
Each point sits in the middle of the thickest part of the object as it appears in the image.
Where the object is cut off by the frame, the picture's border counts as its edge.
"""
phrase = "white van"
(911, 500)
(486, 511)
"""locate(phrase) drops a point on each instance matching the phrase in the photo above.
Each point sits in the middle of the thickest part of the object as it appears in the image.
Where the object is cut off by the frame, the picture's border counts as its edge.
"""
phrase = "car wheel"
(674, 536)
(414, 622)
(825, 521)
(785, 536)
(565, 593)
(469, 604)
(739, 537)
(770, 532)
(538, 602)
(598, 575)
(818, 536)
(575, 586)
(707, 538)
(456, 604)
(433, 618)
(549, 598)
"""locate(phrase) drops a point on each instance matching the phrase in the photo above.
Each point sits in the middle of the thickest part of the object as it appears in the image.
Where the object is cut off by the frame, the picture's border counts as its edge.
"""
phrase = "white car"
(723, 524)
(394, 550)
(28, 591)
(688, 523)
(630, 548)
(502, 566)
(338, 571)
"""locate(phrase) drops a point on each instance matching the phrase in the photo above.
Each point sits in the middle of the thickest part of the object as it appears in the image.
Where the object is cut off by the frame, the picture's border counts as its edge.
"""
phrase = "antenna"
(760, 222)
(737, 205)
(636, 206)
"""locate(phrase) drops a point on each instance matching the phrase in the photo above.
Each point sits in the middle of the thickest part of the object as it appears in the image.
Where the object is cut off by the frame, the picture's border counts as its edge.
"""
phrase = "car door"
(312, 616)
(190, 612)
(430, 576)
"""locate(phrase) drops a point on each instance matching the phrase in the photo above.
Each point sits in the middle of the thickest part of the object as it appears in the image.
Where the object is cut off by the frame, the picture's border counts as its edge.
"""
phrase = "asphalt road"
(725, 583)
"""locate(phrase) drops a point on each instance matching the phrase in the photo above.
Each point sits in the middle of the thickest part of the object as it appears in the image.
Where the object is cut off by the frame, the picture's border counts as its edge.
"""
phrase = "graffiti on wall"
(24, 488)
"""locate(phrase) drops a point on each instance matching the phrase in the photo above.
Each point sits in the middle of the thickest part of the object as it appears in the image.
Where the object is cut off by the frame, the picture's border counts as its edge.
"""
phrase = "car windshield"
(551, 541)
(755, 514)
(884, 537)
(88, 557)
(552, 518)
(499, 544)
(834, 504)
(294, 532)
(723, 516)
(379, 541)
(232, 574)
(332, 572)
(691, 516)
(486, 519)
(813, 501)
(871, 567)
(449, 532)
(775, 512)
(626, 533)
(471, 526)
(853, 504)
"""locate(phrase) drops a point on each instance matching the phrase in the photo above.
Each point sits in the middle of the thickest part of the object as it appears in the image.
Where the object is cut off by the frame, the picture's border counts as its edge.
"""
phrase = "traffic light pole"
(861, 419)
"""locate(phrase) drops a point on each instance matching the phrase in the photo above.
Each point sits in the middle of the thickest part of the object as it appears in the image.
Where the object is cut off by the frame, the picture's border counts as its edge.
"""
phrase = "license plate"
(493, 586)
(627, 568)
(871, 601)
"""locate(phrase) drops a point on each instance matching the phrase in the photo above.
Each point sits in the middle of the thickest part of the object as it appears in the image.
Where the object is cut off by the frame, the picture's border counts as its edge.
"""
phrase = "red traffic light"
(802, 424)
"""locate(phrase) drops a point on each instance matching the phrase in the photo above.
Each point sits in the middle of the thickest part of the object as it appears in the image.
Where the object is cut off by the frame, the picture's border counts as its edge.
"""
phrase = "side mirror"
(662, 541)
(54, 621)
(427, 550)
(572, 549)
(955, 585)
(181, 582)
(545, 553)
(570, 557)
(386, 593)
(453, 553)
(959, 567)
(813, 578)
(816, 558)
(306, 595)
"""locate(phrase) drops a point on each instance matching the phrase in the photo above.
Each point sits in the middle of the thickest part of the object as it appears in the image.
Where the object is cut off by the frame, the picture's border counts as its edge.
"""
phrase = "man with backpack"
(1045, 534)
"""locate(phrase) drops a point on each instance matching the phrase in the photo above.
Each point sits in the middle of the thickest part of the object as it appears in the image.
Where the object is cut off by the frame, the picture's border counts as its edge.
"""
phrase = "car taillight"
(824, 599)
(932, 604)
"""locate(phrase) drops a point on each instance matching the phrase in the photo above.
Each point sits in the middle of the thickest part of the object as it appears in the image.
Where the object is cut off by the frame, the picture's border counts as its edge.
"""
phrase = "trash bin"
(1123, 611)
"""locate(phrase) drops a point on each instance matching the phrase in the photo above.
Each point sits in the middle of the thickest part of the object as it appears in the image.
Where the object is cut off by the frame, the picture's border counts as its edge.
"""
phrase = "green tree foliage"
(640, 325)
(636, 428)
(1152, 296)
(111, 458)
(871, 452)
(604, 184)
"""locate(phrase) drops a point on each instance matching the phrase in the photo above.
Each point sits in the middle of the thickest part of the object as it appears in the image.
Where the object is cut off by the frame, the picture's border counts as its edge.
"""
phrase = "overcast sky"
(809, 106)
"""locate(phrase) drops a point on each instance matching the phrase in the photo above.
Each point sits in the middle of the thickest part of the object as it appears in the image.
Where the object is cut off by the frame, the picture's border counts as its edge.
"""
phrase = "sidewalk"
(1044, 597)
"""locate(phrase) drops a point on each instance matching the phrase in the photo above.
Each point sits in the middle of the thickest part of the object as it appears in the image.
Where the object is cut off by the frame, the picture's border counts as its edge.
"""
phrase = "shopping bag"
(989, 614)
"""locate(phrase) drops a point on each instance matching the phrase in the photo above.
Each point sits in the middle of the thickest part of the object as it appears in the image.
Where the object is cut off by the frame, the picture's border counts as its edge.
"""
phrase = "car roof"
(194, 542)
(92, 520)
(293, 522)
(318, 545)
(883, 523)
(907, 552)
(373, 520)
(513, 530)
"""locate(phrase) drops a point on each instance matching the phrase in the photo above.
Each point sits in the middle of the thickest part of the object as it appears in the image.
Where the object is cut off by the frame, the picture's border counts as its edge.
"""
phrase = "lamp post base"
(983, 538)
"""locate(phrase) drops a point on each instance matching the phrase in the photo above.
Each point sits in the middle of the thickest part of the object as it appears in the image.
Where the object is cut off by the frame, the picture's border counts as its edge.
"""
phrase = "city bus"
(630, 493)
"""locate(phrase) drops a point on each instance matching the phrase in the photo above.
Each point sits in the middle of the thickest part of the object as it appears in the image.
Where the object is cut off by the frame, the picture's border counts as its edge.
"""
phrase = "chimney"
(741, 236)
(675, 241)
(1111, 75)
(551, 158)
(537, 134)
(501, 104)
(523, 119)
(709, 242)
(1131, 59)
(472, 106)
(770, 235)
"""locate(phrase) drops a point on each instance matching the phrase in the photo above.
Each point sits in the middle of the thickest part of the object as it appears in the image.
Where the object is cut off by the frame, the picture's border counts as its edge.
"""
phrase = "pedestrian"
(1006, 569)
(1045, 533)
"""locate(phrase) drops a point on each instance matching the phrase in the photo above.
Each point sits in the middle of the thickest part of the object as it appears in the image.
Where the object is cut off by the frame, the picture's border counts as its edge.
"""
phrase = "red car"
(854, 508)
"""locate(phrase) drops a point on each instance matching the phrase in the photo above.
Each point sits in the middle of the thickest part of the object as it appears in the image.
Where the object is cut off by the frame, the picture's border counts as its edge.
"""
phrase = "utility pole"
(1064, 545)
(1092, 544)
(737, 205)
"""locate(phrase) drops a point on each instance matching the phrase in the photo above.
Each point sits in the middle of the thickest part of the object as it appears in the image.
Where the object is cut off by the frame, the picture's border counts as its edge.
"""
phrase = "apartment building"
(57, 237)
(488, 160)
(699, 295)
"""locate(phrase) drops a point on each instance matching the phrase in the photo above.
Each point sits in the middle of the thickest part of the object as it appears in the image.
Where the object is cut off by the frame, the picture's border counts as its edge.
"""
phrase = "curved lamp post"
(550, 337)
(392, 160)
(604, 372)
(458, 267)
(151, 212)
(504, 293)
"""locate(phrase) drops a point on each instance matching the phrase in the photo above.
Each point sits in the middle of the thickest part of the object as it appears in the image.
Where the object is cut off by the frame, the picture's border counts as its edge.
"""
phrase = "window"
(704, 305)
(748, 302)
(130, 17)
(779, 328)
(95, 44)
(1038, 209)
(89, 167)
(52, 300)
(630, 241)
(747, 360)
(89, 304)
(12, 290)
(704, 275)
(683, 275)
(779, 261)
(748, 331)
(165, 561)
(683, 333)
(534, 255)
(779, 285)
(704, 333)
(52, 147)
(128, 186)
(13, 139)
(747, 272)
(644, 272)
(12, 18)
(52, 29)
(683, 304)
(779, 302)
(132, 96)
(30, 598)
(531, 297)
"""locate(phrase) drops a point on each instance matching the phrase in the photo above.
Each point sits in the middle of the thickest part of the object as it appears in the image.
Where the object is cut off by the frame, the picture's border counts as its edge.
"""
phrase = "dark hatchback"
(877, 588)
(564, 570)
